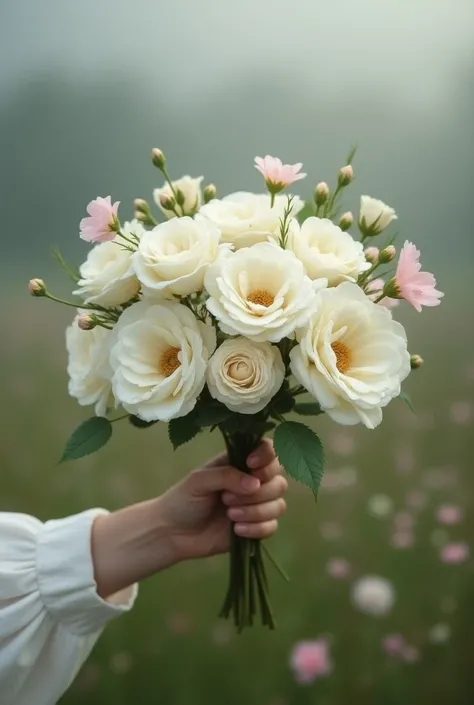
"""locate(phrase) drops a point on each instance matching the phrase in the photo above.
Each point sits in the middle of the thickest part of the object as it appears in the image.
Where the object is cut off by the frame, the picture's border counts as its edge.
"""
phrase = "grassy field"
(171, 649)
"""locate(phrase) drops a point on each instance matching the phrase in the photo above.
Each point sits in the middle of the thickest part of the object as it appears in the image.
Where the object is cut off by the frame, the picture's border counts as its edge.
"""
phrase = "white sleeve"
(50, 613)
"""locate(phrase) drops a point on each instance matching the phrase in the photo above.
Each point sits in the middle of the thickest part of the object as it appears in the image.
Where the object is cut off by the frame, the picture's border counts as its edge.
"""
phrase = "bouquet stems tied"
(247, 592)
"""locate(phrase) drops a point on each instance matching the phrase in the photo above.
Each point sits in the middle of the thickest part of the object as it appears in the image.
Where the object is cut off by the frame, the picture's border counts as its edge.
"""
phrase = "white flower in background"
(352, 357)
(245, 375)
(88, 366)
(327, 251)
(380, 506)
(373, 595)
(159, 360)
(172, 259)
(191, 190)
(260, 292)
(439, 633)
(247, 218)
(107, 275)
(374, 216)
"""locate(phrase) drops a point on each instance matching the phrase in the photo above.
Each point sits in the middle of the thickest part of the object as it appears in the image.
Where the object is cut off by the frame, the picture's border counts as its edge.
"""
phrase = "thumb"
(219, 479)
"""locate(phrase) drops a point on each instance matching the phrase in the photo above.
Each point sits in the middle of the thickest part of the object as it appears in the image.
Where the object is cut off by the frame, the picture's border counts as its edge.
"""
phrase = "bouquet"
(232, 313)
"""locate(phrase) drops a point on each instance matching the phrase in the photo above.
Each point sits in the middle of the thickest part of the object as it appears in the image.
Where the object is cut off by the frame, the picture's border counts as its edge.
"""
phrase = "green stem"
(272, 199)
(119, 418)
(173, 191)
(379, 298)
(275, 563)
(331, 201)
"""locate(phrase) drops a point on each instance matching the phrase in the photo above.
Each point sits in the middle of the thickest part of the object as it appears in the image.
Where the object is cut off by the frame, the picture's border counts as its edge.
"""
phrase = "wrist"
(130, 545)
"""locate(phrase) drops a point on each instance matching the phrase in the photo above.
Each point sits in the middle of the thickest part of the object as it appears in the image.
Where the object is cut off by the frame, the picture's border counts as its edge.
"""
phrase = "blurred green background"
(86, 89)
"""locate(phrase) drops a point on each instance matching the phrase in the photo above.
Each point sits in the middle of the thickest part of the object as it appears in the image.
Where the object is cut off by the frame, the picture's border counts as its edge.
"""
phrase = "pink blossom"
(101, 224)
(338, 568)
(449, 514)
(277, 175)
(410, 654)
(403, 539)
(393, 644)
(374, 289)
(413, 285)
(454, 553)
(403, 521)
(310, 660)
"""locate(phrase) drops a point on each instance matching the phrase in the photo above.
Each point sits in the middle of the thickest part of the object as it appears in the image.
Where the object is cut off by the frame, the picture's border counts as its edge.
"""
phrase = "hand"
(199, 510)
(191, 520)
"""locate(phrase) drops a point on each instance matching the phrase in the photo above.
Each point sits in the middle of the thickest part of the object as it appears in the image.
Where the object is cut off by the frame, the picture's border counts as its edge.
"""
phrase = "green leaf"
(300, 452)
(140, 423)
(72, 272)
(310, 408)
(404, 396)
(351, 154)
(87, 438)
(212, 414)
(182, 430)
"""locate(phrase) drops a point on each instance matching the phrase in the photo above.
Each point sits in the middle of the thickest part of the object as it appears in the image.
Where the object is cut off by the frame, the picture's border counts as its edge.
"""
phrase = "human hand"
(198, 510)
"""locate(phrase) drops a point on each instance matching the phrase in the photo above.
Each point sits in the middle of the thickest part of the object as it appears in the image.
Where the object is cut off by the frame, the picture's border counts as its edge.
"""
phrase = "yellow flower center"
(169, 362)
(343, 356)
(261, 297)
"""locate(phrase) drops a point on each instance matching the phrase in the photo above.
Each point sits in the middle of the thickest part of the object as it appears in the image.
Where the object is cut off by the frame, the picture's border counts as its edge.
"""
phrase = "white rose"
(260, 292)
(352, 357)
(191, 190)
(373, 595)
(245, 375)
(327, 251)
(159, 360)
(374, 215)
(88, 366)
(107, 275)
(172, 259)
(247, 218)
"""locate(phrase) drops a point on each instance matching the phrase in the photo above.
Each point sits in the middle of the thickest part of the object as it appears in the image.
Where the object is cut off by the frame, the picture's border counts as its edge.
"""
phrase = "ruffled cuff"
(66, 576)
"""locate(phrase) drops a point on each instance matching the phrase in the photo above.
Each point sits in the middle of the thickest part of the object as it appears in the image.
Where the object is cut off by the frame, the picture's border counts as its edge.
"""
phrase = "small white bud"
(86, 321)
(387, 254)
(321, 193)
(167, 202)
(158, 158)
(37, 287)
(372, 254)
(209, 193)
(416, 361)
(346, 175)
(346, 221)
(141, 205)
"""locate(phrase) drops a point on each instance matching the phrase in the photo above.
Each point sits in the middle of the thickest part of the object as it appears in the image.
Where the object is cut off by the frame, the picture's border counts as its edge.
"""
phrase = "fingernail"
(235, 513)
(250, 483)
(253, 461)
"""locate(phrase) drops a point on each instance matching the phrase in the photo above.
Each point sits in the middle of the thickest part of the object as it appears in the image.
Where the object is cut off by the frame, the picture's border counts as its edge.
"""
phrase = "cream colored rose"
(107, 275)
(352, 357)
(88, 366)
(245, 375)
(159, 360)
(327, 252)
(374, 216)
(247, 218)
(191, 190)
(260, 292)
(172, 259)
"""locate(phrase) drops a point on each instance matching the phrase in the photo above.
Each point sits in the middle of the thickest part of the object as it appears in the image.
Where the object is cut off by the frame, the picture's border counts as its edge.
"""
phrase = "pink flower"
(393, 644)
(374, 289)
(310, 660)
(277, 175)
(449, 514)
(338, 568)
(416, 287)
(102, 223)
(454, 553)
(403, 539)
(410, 654)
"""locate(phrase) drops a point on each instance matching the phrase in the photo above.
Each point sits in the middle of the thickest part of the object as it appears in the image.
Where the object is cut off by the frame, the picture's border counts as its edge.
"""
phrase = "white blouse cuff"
(66, 576)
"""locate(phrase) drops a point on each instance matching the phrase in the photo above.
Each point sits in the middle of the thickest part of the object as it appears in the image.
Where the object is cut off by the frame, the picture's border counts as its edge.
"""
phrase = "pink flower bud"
(416, 361)
(321, 193)
(86, 321)
(210, 193)
(158, 158)
(346, 221)
(372, 254)
(37, 287)
(387, 254)
(167, 202)
(346, 175)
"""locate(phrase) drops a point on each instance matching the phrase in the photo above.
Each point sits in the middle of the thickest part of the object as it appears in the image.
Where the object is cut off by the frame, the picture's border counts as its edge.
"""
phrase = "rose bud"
(158, 158)
(321, 193)
(346, 175)
(346, 221)
(37, 287)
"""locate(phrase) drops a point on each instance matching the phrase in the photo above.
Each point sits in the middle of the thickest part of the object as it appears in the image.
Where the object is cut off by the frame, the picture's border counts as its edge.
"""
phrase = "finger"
(257, 531)
(257, 513)
(263, 455)
(268, 472)
(274, 489)
(222, 479)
